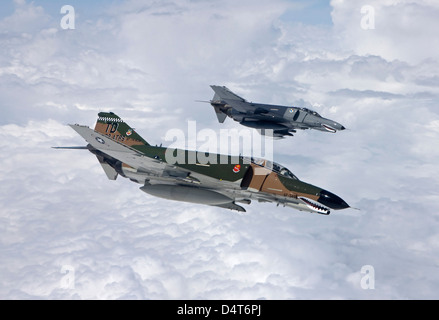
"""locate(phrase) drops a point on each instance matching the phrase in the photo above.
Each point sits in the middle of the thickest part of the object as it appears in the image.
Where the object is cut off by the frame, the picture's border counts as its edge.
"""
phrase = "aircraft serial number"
(116, 137)
(110, 131)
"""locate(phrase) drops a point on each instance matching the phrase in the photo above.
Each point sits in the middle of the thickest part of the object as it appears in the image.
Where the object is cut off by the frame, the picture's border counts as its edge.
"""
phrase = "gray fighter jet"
(283, 120)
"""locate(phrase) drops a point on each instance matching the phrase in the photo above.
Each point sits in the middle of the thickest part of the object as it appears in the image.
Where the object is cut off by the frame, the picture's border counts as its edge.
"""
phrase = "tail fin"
(114, 127)
(223, 93)
(219, 104)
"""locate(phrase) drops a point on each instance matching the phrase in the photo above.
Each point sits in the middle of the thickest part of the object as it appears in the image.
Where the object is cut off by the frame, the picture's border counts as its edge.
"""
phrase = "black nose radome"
(332, 201)
(342, 128)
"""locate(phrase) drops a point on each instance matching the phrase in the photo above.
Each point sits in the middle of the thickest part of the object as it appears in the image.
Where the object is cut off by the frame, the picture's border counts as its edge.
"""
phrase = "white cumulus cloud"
(148, 61)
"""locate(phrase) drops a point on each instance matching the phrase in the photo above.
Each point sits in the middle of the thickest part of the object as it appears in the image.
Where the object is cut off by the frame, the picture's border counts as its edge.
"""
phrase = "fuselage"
(235, 172)
(281, 119)
(278, 117)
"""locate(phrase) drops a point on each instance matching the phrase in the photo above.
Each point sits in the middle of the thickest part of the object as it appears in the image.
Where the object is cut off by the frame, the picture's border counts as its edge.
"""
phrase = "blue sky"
(313, 12)
(307, 12)
(88, 9)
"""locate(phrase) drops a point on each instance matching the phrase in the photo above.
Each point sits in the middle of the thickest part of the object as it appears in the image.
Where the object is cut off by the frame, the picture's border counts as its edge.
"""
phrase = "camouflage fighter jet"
(122, 151)
(283, 120)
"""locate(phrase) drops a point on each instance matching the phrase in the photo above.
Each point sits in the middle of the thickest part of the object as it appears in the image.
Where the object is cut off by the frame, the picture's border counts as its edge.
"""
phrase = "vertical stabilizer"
(225, 94)
(114, 127)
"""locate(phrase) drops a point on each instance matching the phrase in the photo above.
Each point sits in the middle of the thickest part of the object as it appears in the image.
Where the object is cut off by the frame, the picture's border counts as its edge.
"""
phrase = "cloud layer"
(148, 62)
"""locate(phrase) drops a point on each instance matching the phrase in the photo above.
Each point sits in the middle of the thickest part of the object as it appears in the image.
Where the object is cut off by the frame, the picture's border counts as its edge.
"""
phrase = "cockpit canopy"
(312, 112)
(283, 171)
(275, 167)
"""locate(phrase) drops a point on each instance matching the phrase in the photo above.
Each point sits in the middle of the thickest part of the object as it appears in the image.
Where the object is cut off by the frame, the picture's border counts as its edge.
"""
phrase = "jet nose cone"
(331, 125)
(332, 201)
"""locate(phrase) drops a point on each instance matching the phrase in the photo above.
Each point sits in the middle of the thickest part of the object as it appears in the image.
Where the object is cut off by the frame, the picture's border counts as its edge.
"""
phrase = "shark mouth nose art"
(330, 129)
(316, 207)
